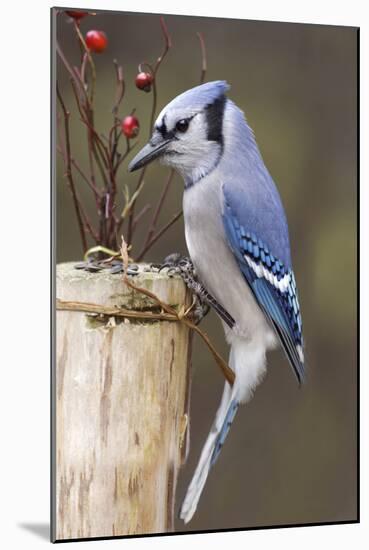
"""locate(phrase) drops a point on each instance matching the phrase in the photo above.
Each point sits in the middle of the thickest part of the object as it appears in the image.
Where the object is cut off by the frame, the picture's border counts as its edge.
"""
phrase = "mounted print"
(204, 183)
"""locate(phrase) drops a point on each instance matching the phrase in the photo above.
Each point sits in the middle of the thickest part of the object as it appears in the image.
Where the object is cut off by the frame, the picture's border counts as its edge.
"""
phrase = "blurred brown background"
(291, 454)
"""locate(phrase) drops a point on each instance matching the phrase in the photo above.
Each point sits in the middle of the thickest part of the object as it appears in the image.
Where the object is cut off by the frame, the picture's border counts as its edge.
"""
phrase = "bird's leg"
(183, 266)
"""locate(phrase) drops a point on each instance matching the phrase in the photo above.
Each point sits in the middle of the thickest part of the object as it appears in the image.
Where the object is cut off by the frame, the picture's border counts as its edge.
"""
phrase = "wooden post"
(122, 390)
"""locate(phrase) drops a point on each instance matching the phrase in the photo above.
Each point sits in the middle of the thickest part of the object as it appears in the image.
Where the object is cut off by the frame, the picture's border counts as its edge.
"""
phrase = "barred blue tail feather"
(247, 360)
(231, 413)
(210, 452)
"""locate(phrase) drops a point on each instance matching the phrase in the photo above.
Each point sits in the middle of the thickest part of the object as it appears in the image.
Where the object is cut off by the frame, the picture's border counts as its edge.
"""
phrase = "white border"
(25, 355)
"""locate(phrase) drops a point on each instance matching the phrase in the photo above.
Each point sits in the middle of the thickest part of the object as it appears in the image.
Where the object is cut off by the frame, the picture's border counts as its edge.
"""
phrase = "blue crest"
(197, 98)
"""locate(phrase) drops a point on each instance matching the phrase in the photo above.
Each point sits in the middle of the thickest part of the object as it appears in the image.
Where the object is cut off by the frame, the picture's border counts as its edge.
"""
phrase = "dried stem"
(154, 70)
(158, 235)
(204, 66)
(158, 208)
(87, 224)
(90, 182)
(131, 212)
(66, 64)
(90, 60)
(123, 157)
(140, 215)
(69, 174)
(181, 315)
(167, 45)
(87, 307)
(167, 313)
(119, 94)
(120, 87)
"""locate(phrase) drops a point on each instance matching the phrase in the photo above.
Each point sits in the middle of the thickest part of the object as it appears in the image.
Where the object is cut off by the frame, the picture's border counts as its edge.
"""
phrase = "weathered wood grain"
(122, 390)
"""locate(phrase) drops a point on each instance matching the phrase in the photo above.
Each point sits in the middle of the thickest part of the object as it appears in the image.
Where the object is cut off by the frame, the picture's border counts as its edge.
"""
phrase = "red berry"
(76, 14)
(96, 41)
(144, 81)
(130, 126)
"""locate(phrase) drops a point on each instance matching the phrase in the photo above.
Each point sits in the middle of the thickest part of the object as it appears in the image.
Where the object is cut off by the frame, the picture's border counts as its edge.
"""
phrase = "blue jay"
(237, 237)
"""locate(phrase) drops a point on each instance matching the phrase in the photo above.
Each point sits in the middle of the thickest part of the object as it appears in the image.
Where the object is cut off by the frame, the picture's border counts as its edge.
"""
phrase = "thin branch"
(167, 46)
(99, 143)
(132, 200)
(120, 87)
(90, 60)
(130, 147)
(131, 213)
(66, 64)
(204, 66)
(153, 108)
(113, 139)
(62, 150)
(158, 235)
(83, 67)
(90, 183)
(89, 123)
(142, 212)
(158, 208)
(119, 94)
(87, 224)
(69, 174)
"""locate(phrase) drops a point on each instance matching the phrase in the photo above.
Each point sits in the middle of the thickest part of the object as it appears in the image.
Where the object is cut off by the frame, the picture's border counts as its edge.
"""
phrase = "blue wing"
(271, 281)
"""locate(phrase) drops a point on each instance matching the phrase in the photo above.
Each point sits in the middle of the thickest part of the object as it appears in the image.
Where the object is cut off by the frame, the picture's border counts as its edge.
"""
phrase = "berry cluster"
(97, 42)
(107, 151)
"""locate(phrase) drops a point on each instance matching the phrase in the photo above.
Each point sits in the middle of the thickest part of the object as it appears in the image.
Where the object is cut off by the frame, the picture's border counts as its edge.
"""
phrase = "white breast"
(215, 263)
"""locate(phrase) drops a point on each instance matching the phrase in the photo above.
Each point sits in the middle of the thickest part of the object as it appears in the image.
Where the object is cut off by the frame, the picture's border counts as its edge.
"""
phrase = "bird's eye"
(182, 125)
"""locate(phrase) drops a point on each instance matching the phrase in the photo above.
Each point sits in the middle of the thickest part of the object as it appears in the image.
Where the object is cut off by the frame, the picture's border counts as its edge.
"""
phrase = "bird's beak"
(148, 153)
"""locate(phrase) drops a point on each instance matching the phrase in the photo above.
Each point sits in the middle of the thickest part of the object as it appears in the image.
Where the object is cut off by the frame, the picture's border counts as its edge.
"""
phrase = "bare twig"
(203, 57)
(119, 94)
(78, 168)
(167, 46)
(123, 157)
(154, 71)
(158, 208)
(120, 87)
(140, 215)
(90, 60)
(90, 183)
(69, 174)
(158, 235)
(66, 64)
(132, 200)
(131, 213)
(87, 224)
(83, 67)
(87, 307)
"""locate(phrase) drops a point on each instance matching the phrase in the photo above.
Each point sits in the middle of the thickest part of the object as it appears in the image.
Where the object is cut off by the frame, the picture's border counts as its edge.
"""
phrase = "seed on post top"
(130, 126)
(96, 41)
(144, 81)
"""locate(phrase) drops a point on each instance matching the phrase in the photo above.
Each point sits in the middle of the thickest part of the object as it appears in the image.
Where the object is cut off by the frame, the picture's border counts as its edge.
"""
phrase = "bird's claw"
(183, 266)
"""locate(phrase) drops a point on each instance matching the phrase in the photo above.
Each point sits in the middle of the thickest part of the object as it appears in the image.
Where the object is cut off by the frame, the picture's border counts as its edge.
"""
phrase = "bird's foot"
(183, 266)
